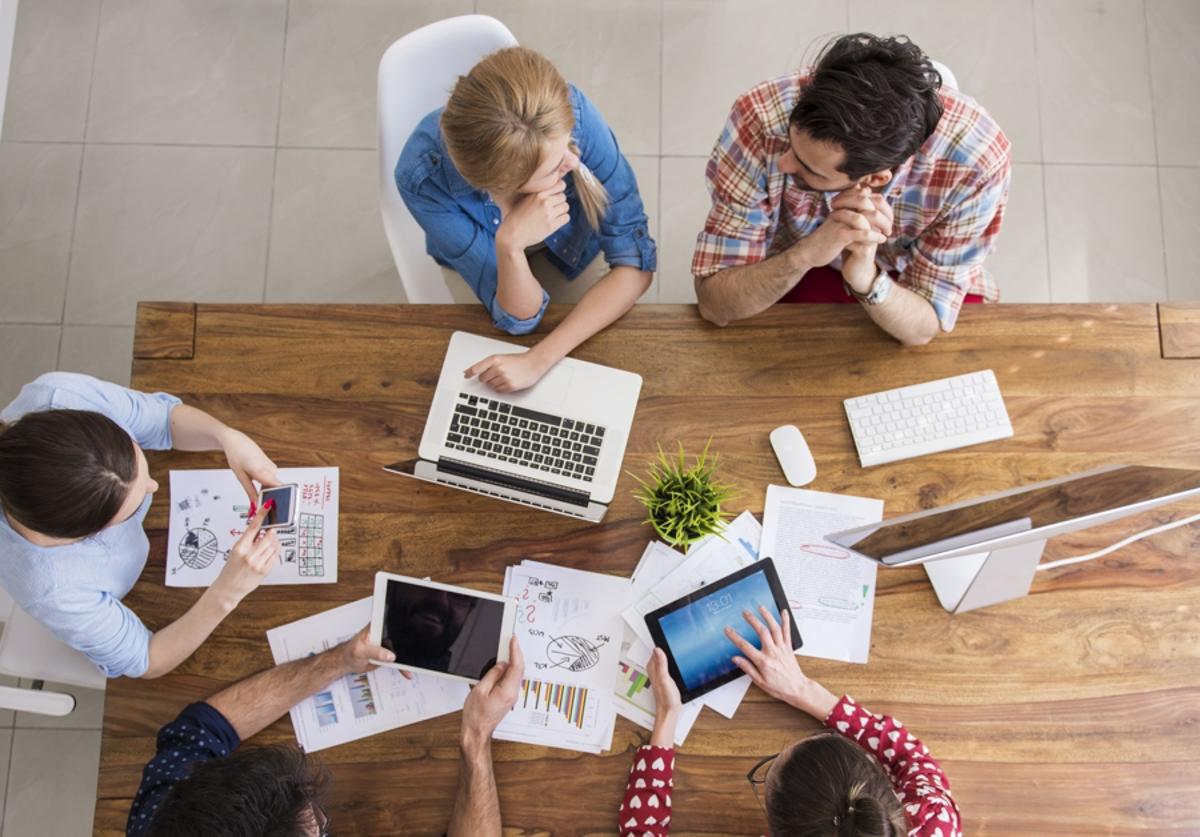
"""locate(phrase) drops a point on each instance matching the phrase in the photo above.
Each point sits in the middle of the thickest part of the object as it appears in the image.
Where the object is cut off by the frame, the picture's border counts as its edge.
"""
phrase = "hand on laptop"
(492, 698)
(775, 668)
(511, 372)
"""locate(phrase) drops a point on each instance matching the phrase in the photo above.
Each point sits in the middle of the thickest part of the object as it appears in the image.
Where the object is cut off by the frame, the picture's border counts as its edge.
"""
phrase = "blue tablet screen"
(696, 632)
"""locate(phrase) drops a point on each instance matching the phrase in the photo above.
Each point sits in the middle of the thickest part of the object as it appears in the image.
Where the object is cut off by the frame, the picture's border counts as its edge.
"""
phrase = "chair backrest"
(28, 650)
(948, 77)
(416, 75)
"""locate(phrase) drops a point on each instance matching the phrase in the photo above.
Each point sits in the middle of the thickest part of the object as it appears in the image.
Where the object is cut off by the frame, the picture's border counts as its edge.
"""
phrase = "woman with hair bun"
(865, 775)
(519, 160)
(75, 489)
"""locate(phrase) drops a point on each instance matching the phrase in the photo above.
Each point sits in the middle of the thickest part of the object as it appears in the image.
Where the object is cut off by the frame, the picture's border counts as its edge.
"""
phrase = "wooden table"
(1073, 711)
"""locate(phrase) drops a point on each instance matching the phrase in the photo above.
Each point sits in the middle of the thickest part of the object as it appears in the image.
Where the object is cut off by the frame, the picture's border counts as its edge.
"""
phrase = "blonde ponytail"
(500, 116)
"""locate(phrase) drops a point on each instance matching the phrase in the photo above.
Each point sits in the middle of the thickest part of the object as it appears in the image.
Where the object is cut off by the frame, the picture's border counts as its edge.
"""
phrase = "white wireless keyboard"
(927, 418)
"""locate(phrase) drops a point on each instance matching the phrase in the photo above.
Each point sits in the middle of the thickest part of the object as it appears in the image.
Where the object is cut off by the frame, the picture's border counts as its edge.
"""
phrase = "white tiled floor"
(225, 151)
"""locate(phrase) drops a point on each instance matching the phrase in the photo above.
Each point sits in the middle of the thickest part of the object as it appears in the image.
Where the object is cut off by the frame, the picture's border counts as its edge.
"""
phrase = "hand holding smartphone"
(283, 513)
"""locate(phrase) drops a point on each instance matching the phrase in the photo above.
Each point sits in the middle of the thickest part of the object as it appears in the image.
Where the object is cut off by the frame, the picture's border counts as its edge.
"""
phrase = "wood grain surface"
(166, 330)
(1180, 326)
(1073, 711)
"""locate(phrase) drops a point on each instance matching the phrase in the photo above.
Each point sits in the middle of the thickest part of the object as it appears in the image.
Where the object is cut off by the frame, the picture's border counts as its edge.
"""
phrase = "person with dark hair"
(199, 784)
(74, 490)
(864, 178)
(865, 775)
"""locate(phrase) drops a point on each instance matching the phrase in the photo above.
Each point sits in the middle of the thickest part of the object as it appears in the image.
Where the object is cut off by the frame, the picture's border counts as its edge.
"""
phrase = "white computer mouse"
(794, 456)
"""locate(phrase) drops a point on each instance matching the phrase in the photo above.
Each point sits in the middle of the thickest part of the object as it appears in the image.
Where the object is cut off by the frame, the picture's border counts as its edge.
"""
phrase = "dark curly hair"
(65, 473)
(828, 786)
(256, 792)
(876, 98)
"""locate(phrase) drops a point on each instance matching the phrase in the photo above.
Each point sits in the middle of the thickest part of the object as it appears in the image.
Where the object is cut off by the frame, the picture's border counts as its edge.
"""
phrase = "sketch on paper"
(209, 511)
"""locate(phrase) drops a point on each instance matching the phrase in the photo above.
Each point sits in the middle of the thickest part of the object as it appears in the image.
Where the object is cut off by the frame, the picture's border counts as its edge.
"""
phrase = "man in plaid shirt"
(864, 179)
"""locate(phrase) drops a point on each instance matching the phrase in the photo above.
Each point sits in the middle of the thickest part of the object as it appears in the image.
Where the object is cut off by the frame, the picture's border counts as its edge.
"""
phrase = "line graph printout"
(569, 627)
(830, 590)
(357, 705)
(209, 509)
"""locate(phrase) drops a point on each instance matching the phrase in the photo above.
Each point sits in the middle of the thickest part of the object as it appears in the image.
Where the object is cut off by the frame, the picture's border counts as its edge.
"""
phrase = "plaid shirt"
(948, 199)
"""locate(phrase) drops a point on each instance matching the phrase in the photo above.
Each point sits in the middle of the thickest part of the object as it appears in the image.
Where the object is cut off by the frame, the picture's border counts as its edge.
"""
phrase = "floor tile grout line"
(236, 146)
(1042, 148)
(287, 14)
(8, 777)
(1162, 215)
(87, 115)
(662, 73)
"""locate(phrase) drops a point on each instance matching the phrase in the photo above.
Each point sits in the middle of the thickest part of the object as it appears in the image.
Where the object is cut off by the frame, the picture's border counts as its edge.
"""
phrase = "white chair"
(948, 77)
(416, 75)
(30, 651)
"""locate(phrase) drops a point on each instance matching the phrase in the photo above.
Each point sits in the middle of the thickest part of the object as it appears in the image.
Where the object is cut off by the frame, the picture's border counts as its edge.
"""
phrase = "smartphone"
(284, 512)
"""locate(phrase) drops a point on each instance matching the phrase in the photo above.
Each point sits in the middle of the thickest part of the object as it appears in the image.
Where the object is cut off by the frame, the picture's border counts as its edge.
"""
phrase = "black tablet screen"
(441, 630)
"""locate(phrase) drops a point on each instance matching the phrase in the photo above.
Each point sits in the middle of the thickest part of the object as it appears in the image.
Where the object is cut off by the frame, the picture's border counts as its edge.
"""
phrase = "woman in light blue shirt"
(74, 490)
(519, 160)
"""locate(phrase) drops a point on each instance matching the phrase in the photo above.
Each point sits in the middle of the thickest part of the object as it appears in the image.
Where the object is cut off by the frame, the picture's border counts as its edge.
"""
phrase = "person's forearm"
(253, 704)
(663, 734)
(173, 644)
(193, 429)
(517, 290)
(814, 699)
(739, 292)
(476, 804)
(905, 315)
(604, 303)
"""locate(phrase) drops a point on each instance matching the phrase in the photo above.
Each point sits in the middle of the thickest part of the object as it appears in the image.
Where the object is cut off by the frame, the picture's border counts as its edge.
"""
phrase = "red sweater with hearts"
(916, 777)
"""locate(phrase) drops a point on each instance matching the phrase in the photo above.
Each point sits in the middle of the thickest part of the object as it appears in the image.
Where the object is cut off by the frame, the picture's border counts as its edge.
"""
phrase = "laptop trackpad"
(552, 389)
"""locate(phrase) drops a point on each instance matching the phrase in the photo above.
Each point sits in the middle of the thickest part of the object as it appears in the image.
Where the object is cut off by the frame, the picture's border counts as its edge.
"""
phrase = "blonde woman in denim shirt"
(517, 159)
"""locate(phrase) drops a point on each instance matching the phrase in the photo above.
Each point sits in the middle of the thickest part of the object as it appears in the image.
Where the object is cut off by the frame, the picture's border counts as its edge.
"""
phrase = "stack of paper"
(830, 591)
(357, 705)
(569, 628)
(662, 576)
(209, 509)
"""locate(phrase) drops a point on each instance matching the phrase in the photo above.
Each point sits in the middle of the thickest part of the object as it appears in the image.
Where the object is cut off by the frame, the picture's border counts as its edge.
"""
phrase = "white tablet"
(450, 631)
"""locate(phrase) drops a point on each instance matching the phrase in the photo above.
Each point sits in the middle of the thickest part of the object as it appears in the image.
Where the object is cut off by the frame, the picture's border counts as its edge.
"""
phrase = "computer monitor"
(984, 551)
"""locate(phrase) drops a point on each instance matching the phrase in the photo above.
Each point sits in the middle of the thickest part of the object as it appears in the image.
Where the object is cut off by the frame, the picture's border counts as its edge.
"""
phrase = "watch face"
(879, 288)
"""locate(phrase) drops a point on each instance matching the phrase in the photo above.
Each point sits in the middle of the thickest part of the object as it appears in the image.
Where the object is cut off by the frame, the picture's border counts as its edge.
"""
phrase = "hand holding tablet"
(449, 631)
(696, 631)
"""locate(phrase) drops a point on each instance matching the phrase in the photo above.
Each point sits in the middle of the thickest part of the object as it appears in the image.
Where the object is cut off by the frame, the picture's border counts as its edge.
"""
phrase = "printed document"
(831, 590)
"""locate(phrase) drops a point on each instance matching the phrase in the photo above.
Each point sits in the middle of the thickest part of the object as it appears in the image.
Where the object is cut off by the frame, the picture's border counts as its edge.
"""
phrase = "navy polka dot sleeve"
(199, 734)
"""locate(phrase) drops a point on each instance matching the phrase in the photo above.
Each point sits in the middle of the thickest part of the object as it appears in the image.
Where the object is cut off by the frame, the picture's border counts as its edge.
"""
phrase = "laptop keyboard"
(520, 436)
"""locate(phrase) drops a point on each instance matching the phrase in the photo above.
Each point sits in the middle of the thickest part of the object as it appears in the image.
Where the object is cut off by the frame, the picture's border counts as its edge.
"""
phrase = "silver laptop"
(557, 446)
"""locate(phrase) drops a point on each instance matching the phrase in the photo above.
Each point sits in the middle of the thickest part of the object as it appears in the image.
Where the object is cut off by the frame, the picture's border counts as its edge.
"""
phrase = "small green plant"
(683, 502)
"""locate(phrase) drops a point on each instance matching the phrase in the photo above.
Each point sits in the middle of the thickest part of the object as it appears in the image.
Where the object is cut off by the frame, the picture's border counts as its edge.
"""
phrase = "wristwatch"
(877, 294)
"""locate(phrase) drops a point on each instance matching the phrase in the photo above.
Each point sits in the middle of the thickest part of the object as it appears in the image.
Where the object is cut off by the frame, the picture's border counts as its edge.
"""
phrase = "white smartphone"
(284, 512)
(445, 630)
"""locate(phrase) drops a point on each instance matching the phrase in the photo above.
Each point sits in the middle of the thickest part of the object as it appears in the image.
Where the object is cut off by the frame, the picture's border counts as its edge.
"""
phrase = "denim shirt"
(460, 221)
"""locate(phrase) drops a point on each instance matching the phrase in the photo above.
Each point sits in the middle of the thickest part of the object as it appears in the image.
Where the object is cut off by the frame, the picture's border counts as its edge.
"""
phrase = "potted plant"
(683, 502)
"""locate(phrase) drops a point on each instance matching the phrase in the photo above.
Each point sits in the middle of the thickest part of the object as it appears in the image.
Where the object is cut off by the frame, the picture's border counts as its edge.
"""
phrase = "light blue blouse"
(75, 590)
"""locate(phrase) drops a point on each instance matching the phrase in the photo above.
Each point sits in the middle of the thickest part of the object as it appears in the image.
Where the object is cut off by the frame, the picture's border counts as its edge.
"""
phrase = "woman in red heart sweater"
(864, 776)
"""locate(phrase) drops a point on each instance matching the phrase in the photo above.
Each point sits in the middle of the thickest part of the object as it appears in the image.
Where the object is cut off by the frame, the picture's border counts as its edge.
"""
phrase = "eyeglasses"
(757, 777)
(322, 820)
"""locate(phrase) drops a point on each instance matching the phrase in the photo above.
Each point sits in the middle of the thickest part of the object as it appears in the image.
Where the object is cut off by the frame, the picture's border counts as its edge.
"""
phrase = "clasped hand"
(860, 221)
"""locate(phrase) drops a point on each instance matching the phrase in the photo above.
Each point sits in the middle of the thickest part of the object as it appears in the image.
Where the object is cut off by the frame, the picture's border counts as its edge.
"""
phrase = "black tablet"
(691, 630)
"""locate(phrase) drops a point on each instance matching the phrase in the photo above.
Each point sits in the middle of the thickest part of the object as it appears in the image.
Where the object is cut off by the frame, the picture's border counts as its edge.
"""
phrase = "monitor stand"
(985, 578)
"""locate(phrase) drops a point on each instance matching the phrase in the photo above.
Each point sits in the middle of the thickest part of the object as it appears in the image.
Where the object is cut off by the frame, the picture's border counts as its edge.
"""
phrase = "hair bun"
(864, 815)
